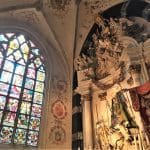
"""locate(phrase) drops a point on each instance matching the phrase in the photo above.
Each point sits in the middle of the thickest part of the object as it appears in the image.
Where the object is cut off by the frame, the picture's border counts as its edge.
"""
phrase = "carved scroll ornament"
(103, 61)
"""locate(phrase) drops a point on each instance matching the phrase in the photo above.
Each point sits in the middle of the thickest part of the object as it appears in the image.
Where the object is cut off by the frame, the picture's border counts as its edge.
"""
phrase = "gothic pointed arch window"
(22, 77)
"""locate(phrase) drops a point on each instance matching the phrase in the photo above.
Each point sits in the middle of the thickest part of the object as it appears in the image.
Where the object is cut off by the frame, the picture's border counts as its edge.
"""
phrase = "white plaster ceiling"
(64, 25)
(14, 3)
(62, 21)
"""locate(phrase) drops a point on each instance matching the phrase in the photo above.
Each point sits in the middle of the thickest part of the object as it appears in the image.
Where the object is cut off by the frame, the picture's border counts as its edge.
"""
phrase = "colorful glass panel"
(23, 121)
(42, 69)
(11, 58)
(22, 77)
(4, 46)
(2, 102)
(1, 114)
(32, 138)
(34, 123)
(12, 105)
(3, 38)
(9, 51)
(20, 136)
(31, 56)
(25, 48)
(32, 44)
(29, 83)
(31, 65)
(27, 95)
(8, 65)
(10, 34)
(21, 61)
(39, 86)
(4, 88)
(21, 39)
(36, 110)
(13, 44)
(1, 55)
(17, 80)
(25, 108)
(40, 76)
(15, 91)
(20, 69)
(35, 51)
(9, 118)
(37, 62)
(6, 135)
(6, 77)
(17, 55)
(38, 97)
(31, 73)
(25, 56)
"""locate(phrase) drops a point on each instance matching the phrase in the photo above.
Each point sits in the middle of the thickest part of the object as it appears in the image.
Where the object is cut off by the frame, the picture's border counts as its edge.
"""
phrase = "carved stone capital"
(102, 96)
(84, 98)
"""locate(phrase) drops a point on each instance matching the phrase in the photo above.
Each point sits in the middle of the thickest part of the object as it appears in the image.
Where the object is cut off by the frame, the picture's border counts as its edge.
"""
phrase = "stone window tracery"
(22, 77)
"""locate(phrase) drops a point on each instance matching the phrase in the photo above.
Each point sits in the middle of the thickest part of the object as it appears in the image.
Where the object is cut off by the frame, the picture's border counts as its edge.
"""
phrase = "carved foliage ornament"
(59, 4)
(104, 52)
(101, 60)
(59, 110)
(60, 7)
(57, 135)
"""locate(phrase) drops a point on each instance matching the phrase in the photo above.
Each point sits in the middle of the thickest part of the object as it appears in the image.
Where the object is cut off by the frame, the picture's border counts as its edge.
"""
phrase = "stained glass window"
(22, 78)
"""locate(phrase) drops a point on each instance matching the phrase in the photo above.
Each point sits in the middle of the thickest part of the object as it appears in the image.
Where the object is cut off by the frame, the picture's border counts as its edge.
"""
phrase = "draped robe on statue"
(140, 97)
(120, 112)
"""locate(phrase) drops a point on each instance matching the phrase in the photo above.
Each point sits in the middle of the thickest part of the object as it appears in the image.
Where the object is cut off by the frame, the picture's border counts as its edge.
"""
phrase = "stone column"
(77, 127)
(87, 122)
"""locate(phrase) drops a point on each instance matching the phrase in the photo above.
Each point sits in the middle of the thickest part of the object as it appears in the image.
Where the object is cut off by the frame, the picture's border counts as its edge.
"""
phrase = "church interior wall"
(61, 29)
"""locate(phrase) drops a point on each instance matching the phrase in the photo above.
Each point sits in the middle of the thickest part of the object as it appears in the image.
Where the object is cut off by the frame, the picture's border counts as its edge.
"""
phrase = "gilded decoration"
(112, 66)
(57, 135)
(59, 110)
(59, 7)
(123, 131)
(103, 59)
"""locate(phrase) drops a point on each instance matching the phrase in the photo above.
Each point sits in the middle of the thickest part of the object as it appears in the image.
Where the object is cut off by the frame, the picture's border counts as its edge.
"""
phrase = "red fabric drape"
(135, 99)
(143, 89)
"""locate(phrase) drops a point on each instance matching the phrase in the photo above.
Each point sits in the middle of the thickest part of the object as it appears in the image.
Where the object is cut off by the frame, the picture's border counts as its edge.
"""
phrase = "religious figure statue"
(105, 57)
(82, 62)
(102, 132)
(118, 135)
(112, 138)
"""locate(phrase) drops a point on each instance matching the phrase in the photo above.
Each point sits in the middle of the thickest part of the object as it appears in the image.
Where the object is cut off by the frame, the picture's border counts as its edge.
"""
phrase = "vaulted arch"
(29, 64)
